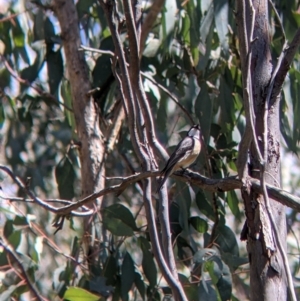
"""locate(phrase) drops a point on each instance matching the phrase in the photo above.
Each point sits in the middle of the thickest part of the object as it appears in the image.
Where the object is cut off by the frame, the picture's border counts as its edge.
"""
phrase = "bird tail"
(162, 179)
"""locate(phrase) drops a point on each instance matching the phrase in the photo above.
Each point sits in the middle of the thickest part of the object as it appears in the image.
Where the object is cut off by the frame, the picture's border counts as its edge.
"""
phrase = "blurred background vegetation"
(192, 56)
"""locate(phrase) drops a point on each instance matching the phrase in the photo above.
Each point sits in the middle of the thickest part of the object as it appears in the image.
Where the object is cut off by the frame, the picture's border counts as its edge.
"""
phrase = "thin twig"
(279, 21)
(172, 96)
(27, 83)
(25, 275)
(87, 211)
(100, 51)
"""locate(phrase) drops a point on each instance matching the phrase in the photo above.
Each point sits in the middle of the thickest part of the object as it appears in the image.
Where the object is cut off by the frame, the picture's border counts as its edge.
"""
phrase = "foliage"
(192, 51)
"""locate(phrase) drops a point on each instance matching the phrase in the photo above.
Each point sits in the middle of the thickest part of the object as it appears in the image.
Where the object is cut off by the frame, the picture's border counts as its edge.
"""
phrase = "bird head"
(195, 131)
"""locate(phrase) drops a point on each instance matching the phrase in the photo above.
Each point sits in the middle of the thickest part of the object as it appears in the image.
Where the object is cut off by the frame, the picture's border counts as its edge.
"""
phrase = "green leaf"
(5, 36)
(55, 69)
(65, 89)
(199, 224)
(18, 34)
(206, 21)
(110, 270)
(204, 109)
(122, 216)
(233, 204)
(234, 261)
(7, 294)
(98, 285)
(227, 106)
(65, 176)
(8, 228)
(205, 254)
(207, 292)
(194, 30)
(185, 29)
(20, 221)
(189, 288)
(127, 276)
(168, 18)
(184, 250)
(204, 205)
(83, 7)
(49, 30)
(30, 73)
(15, 238)
(224, 284)
(140, 285)
(38, 25)
(226, 240)
(174, 212)
(221, 21)
(79, 294)
(184, 202)
(116, 226)
(148, 263)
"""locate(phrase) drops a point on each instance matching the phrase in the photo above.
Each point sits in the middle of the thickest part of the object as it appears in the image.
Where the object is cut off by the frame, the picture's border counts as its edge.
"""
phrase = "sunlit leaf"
(79, 294)
(221, 21)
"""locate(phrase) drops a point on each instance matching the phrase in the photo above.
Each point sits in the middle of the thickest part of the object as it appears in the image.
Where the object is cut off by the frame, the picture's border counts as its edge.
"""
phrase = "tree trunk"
(91, 144)
(267, 274)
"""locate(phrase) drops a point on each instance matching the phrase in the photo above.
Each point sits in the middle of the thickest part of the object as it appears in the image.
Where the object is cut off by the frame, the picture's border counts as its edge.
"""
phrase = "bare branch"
(31, 85)
(168, 274)
(286, 62)
(86, 212)
(172, 96)
(124, 82)
(10, 251)
(188, 176)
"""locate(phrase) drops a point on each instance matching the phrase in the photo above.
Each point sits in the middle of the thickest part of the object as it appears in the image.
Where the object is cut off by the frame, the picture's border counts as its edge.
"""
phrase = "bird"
(184, 155)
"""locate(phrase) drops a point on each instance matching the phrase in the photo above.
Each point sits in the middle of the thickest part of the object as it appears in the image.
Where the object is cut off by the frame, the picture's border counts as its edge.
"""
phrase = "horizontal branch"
(188, 176)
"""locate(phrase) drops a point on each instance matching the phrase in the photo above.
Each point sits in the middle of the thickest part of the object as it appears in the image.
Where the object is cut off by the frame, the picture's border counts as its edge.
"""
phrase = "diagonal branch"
(31, 85)
(289, 54)
(9, 250)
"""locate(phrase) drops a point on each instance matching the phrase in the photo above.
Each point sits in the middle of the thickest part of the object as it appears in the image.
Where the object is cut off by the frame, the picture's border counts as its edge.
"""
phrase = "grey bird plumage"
(184, 155)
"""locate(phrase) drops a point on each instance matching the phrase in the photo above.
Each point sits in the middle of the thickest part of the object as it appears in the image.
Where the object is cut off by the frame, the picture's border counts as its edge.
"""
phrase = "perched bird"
(184, 155)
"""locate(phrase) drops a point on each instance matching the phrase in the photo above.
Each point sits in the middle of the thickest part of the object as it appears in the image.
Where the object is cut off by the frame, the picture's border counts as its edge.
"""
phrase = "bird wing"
(186, 145)
(182, 148)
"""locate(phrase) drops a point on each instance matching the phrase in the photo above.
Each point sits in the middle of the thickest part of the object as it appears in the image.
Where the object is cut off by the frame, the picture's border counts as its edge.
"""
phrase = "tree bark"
(91, 143)
(267, 274)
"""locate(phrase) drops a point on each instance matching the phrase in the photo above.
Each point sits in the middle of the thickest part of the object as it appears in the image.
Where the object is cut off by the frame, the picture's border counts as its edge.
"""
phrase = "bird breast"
(190, 156)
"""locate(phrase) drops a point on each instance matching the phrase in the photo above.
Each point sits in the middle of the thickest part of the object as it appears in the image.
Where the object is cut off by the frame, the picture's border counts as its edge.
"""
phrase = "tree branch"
(289, 54)
(188, 176)
(31, 85)
(9, 250)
